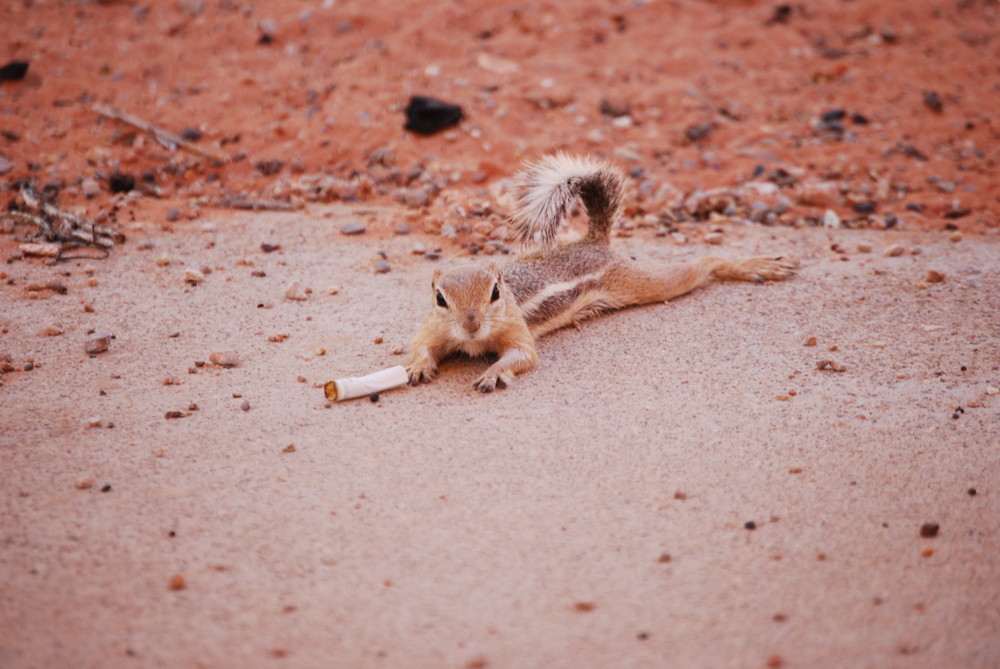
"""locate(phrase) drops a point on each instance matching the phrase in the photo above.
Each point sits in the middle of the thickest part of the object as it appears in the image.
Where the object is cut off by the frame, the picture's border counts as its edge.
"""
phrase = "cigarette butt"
(363, 386)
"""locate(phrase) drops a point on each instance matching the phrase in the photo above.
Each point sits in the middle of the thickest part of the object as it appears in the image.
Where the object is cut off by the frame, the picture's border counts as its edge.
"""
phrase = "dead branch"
(55, 225)
(253, 205)
(162, 135)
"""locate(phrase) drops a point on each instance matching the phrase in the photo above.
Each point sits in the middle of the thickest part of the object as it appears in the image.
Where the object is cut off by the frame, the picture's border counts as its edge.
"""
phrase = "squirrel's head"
(472, 299)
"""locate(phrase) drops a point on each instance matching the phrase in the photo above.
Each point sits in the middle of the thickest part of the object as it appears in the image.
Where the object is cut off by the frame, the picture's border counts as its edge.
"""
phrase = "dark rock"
(426, 116)
(698, 132)
(781, 15)
(14, 70)
(121, 183)
(833, 115)
(269, 167)
(933, 102)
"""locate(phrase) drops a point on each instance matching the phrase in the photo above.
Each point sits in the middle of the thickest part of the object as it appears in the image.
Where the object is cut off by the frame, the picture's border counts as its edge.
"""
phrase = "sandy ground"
(591, 515)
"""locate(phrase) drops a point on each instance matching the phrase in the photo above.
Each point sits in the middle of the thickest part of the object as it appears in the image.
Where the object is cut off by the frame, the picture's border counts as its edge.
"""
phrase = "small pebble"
(288, 449)
(381, 267)
(401, 229)
(176, 582)
(52, 330)
(84, 484)
(933, 276)
(972, 492)
(929, 530)
(750, 525)
(245, 405)
(955, 237)
(893, 251)
(173, 214)
(224, 358)
(296, 291)
(106, 488)
(373, 397)
(933, 101)
(353, 228)
(90, 187)
(714, 238)
(864, 247)
(830, 219)
(193, 276)
(811, 341)
(97, 343)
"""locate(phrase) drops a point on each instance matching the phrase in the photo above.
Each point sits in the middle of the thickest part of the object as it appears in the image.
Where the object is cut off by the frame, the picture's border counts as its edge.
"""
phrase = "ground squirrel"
(502, 310)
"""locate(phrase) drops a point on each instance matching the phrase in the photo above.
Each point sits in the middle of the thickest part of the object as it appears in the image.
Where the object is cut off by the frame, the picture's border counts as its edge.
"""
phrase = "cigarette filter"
(362, 386)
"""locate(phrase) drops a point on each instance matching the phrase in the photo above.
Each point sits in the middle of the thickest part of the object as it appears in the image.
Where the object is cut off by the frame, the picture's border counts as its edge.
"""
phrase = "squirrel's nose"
(472, 322)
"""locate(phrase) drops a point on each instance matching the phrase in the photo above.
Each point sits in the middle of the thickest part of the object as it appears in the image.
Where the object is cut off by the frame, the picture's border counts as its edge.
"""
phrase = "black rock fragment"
(121, 183)
(15, 70)
(933, 102)
(781, 15)
(426, 116)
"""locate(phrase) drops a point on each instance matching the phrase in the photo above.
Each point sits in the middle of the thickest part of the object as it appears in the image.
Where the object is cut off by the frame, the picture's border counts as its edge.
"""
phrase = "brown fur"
(556, 286)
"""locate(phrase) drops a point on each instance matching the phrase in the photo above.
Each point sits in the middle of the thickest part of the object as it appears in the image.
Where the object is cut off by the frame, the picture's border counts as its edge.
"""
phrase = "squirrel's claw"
(488, 382)
(421, 374)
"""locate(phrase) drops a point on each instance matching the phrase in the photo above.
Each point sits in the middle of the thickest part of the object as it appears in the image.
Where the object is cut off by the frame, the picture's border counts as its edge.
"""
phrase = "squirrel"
(480, 310)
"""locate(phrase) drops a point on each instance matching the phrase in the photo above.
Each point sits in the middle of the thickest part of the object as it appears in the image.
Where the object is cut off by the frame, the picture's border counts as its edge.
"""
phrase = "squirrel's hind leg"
(630, 286)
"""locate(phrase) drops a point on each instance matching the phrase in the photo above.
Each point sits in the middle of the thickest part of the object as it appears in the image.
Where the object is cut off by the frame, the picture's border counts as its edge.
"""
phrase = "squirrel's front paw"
(491, 380)
(421, 373)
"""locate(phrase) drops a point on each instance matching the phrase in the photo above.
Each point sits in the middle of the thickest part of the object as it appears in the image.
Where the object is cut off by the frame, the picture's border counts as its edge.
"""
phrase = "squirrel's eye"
(496, 293)
(441, 301)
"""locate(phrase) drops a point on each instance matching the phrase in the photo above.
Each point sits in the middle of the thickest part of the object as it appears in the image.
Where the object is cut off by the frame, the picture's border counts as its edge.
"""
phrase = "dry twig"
(253, 205)
(165, 137)
(55, 225)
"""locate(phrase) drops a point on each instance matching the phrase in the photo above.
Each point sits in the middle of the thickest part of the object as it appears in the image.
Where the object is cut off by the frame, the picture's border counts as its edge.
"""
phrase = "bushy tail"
(549, 188)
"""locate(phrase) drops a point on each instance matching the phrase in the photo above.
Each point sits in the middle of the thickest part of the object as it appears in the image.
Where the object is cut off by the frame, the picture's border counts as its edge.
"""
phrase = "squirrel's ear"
(434, 279)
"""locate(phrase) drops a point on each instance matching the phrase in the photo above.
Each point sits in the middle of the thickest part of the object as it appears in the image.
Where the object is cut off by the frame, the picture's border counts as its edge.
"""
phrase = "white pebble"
(224, 358)
(296, 291)
(97, 343)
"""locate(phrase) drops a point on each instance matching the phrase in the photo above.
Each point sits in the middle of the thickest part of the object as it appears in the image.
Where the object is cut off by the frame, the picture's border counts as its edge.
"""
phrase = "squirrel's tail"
(548, 189)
